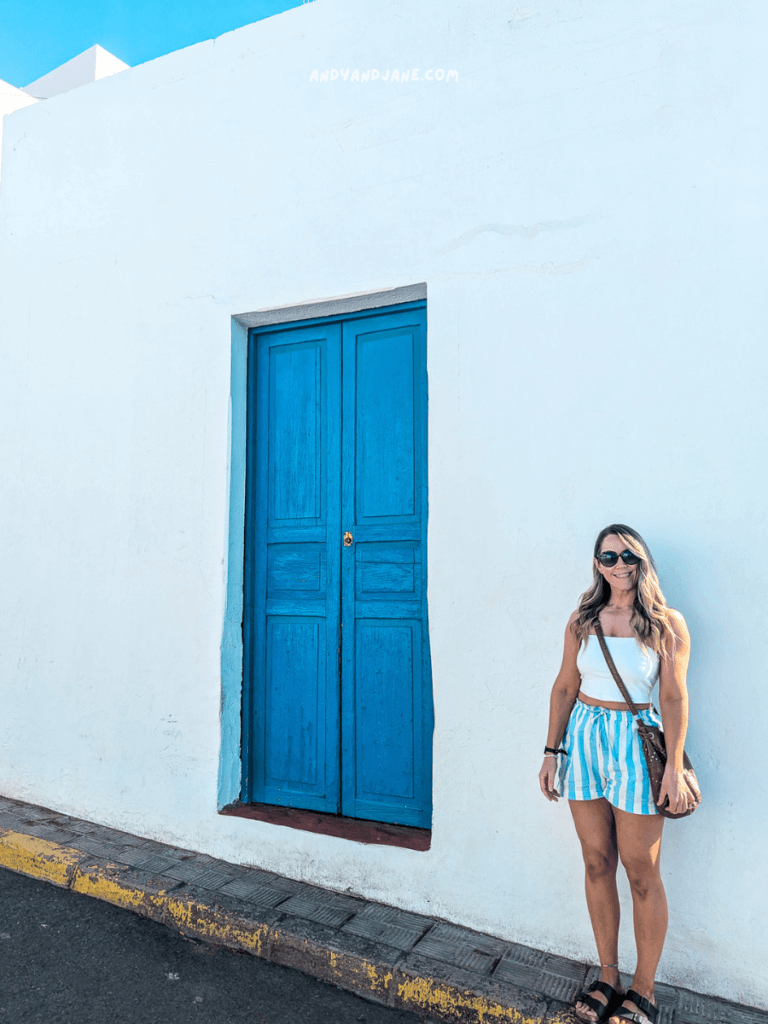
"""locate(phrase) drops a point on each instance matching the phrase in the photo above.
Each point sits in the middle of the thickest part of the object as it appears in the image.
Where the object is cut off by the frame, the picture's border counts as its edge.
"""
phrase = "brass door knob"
(347, 539)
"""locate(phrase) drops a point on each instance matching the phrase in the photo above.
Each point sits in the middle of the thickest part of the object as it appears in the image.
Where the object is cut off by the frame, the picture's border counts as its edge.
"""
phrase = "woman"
(603, 772)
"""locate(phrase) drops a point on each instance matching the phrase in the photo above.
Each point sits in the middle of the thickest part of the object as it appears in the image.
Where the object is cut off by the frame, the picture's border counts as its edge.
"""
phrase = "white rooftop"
(89, 66)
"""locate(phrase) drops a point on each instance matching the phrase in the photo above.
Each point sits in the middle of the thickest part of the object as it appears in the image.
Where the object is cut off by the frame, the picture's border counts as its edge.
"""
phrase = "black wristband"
(553, 750)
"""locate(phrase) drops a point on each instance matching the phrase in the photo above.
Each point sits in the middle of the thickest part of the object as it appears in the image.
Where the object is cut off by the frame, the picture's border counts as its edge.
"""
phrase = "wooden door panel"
(386, 681)
(388, 571)
(385, 473)
(387, 666)
(296, 457)
(294, 756)
(296, 567)
(292, 582)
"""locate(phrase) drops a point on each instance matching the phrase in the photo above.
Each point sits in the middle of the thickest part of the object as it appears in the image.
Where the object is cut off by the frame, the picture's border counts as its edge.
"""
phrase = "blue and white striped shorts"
(605, 758)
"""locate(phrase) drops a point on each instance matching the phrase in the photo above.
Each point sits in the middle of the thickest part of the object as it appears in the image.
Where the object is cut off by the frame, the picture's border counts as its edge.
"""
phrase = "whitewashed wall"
(587, 207)
(11, 99)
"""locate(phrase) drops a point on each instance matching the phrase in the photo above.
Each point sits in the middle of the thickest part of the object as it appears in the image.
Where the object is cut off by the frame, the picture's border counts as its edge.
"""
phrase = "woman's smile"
(623, 575)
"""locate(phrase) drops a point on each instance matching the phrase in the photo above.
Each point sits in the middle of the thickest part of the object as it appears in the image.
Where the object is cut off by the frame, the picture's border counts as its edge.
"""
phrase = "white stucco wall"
(587, 207)
(11, 99)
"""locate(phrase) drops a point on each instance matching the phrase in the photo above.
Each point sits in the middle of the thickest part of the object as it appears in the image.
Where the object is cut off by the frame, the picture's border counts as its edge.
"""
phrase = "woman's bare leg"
(596, 829)
(639, 842)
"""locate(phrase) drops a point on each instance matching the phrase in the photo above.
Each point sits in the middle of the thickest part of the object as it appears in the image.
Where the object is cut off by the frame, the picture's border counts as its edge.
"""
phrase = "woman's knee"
(643, 875)
(600, 864)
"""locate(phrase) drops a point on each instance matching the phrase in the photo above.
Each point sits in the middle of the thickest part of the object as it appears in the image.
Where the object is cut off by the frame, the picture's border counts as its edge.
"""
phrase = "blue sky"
(36, 37)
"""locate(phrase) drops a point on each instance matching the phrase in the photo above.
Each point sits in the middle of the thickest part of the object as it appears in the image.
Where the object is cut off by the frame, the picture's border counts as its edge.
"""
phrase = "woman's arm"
(673, 705)
(561, 701)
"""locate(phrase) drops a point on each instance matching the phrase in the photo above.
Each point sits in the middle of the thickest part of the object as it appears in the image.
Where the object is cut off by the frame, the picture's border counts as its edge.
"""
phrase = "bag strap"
(614, 671)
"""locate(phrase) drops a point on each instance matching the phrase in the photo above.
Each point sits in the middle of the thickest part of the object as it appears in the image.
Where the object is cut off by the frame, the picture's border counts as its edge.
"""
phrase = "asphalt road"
(67, 958)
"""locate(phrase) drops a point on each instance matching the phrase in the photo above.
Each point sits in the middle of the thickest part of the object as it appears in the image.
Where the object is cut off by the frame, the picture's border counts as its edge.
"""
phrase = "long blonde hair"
(650, 614)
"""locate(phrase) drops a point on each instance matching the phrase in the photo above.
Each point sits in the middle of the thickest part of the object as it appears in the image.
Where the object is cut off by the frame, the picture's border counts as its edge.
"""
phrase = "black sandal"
(648, 1012)
(603, 1010)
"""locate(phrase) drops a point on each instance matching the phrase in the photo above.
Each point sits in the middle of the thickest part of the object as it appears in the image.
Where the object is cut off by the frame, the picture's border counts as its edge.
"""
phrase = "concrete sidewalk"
(440, 970)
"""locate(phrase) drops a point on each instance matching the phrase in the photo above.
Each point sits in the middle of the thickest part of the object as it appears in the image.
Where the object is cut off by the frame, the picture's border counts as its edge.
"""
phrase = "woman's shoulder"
(572, 641)
(678, 626)
(570, 628)
(676, 618)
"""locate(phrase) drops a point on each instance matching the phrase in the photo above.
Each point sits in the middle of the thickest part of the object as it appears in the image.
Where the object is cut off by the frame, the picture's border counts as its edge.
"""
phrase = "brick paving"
(465, 974)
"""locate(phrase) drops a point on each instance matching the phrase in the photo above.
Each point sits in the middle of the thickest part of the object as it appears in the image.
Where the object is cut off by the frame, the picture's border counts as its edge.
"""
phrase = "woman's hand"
(547, 778)
(674, 786)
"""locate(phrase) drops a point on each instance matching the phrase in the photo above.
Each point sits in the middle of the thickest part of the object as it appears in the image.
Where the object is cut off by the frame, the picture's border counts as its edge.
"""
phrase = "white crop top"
(637, 665)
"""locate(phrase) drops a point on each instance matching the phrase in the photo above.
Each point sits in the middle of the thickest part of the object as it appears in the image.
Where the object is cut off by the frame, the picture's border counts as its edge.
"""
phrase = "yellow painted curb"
(345, 970)
(38, 858)
(210, 924)
(427, 994)
(73, 869)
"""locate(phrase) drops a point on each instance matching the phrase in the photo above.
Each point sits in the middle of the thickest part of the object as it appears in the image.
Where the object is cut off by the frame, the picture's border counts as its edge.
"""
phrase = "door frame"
(231, 766)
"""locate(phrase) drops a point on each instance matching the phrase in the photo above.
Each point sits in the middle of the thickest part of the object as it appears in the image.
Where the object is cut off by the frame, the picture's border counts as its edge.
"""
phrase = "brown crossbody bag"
(654, 747)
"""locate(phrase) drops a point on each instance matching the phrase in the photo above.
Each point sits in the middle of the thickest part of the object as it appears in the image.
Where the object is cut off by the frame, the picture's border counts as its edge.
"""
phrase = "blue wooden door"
(291, 623)
(338, 696)
(386, 688)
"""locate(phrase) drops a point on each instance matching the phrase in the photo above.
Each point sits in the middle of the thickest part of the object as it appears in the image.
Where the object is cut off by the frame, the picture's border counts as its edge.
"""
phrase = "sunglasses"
(610, 558)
